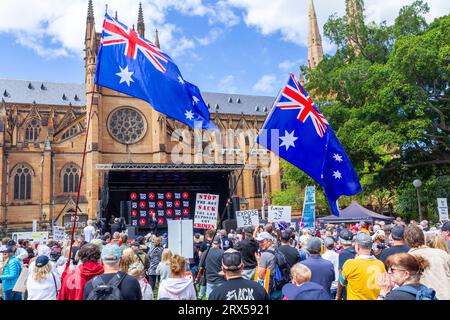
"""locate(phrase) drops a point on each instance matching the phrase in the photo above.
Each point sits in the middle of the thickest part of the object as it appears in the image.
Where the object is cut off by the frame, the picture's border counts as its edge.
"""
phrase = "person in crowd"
(225, 242)
(73, 281)
(248, 247)
(20, 250)
(165, 240)
(116, 226)
(137, 270)
(266, 262)
(89, 231)
(116, 239)
(291, 254)
(42, 282)
(379, 243)
(437, 241)
(163, 268)
(361, 284)
(301, 286)
(79, 243)
(154, 256)
(177, 286)
(236, 287)
(128, 286)
(424, 225)
(402, 280)
(333, 257)
(128, 258)
(142, 244)
(10, 274)
(106, 238)
(322, 270)
(124, 240)
(141, 256)
(209, 235)
(213, 267)
(301, 245)
(446, 232)
(348, 252)
(437, 276)
(397, 243)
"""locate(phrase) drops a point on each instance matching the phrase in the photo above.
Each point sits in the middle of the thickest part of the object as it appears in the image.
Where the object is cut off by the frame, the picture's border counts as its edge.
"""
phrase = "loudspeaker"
(125, 210)
(229, 224)
(131, 232)
(235, 206)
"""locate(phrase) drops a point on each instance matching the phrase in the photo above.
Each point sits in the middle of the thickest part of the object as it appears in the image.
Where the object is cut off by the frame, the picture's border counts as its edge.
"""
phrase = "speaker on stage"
(229, 224)
(125, 210)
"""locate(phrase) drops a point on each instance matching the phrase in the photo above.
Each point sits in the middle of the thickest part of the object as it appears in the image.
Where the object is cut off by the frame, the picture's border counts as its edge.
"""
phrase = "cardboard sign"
(443, 209)
(37, 237)
(58, 233)
(247, 218)
(206, 210)
(80, 223)
(309, 208)
(278, 214)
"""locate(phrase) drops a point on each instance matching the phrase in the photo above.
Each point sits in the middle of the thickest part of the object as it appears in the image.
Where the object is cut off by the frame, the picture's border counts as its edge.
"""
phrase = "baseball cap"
(329, 242)
(446, 226)
(7, 249)
(346, 236)
(111, 252)
(11, 243)
(42, 261)
(264, 236)
(314, 245)
(363, 239)
(286, 235)
(398, 232)
(231, 260)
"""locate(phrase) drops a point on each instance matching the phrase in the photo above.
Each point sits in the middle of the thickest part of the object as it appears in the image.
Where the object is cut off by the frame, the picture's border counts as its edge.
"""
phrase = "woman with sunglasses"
(402, 279)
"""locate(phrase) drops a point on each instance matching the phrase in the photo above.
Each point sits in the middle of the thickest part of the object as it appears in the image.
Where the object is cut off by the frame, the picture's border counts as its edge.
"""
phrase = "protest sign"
(37, 237)
(58, 233)
(443, 209)
(309, 207)
(277, 214)
(206, 210)
(247, 218)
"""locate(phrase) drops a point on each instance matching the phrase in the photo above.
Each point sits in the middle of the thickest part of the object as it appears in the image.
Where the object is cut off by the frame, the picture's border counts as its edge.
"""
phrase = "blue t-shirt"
(322, 271)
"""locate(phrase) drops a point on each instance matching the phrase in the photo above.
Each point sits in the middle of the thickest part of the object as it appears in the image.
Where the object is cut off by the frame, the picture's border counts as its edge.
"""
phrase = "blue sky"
(235, 46)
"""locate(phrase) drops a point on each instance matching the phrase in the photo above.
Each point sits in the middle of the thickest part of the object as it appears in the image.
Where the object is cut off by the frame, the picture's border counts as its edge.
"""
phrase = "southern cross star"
(337, 174)
(125, 75)
(189, 115)
(337, 157)
(180, 80)
(288, 140)
(196, 100)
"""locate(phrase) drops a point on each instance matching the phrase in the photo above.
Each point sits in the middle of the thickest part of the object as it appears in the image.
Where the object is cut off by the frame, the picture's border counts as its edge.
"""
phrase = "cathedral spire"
(140, 24)
(355, 20)
(90, 14)
(157, 39)
(315, 49)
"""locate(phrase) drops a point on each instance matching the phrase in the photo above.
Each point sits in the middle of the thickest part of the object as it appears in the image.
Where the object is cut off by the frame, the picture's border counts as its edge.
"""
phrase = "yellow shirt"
(360, 275)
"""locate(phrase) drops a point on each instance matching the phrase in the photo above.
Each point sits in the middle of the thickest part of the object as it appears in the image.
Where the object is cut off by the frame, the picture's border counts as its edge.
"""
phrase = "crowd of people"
(379, 261)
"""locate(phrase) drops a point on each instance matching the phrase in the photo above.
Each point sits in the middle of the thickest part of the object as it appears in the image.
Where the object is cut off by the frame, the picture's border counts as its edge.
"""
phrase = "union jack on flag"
(294, 96)
(115, 33)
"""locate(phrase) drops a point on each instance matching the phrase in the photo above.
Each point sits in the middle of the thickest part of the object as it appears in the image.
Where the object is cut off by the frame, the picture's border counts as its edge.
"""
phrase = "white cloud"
(267, 84)
(227, 84)
(211, 37)
(290, 66)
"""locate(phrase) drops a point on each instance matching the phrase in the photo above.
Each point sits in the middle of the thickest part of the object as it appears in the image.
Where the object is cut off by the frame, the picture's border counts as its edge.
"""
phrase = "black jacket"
(248, 248)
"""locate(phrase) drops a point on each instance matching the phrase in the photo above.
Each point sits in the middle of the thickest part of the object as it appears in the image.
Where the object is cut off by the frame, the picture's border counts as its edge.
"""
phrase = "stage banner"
(206, 211)
(247, 218)
(278, 214)
(36, 237)
(309, 207)
(58, 233)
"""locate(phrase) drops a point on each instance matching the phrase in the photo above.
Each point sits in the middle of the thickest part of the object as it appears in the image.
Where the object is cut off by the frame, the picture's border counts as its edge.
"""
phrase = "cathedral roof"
(51, 93)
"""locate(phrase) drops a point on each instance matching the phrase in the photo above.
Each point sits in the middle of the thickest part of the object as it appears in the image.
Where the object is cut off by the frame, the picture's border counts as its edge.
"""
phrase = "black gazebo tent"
(355, 213)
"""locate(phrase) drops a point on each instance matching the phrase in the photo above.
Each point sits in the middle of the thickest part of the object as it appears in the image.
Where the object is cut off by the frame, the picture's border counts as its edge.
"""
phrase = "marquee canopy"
(355, 213)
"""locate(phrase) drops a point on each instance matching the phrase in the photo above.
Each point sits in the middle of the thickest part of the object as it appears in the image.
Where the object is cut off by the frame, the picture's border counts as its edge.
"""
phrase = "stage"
(147, 195)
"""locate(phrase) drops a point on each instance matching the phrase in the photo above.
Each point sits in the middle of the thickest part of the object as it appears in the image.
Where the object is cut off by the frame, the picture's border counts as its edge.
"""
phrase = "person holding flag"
(309, 143)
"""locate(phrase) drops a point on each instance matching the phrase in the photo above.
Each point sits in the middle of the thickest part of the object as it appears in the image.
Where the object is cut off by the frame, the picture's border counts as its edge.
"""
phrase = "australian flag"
(132, 65)
(297, 132)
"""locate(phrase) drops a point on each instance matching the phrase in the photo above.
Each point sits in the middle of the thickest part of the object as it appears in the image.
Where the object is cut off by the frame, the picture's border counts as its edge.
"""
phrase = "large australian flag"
(297, 132)
(132, 65)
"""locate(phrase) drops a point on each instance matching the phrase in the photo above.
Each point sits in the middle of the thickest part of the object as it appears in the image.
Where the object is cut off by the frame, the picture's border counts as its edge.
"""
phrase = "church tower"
(140, 24)
(315, 49)
(355, 22)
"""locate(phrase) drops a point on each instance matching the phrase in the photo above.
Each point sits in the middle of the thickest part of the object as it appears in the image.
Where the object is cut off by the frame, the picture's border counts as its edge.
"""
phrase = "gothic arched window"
(257, 182)
(70, 178)
(32, 131)
(70, 133)
(22, 181)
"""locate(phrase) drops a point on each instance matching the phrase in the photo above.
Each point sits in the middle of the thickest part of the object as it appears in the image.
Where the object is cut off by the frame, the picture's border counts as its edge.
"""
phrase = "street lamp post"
(417, 184)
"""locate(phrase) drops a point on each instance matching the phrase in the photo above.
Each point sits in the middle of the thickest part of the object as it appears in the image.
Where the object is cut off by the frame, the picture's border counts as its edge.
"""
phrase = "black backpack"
(108, 291)
(282, 273)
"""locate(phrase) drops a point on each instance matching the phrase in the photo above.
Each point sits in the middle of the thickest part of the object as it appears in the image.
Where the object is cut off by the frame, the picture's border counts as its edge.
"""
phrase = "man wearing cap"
(446, 233)
(129, 286)
(360, 274)
(398, 244)
(266, 261)
(236, 287)
(10, 274)
(248, 247)
(213, 266)
(322, 271)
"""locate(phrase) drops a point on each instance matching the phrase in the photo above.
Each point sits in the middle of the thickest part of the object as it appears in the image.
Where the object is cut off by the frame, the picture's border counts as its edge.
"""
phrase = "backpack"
(282, 274)
(108, 291)
(423, 293)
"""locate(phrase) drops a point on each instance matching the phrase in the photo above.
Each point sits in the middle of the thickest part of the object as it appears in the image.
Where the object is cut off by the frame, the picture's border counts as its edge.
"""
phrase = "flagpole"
(81, 176)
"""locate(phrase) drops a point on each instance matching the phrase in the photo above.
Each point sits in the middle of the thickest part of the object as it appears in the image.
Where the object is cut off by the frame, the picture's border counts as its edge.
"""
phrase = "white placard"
(38, 237)
(206, 210)
(247, 218)
(277, 214)
(443, 209)
(58, 233)
(181, 237)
